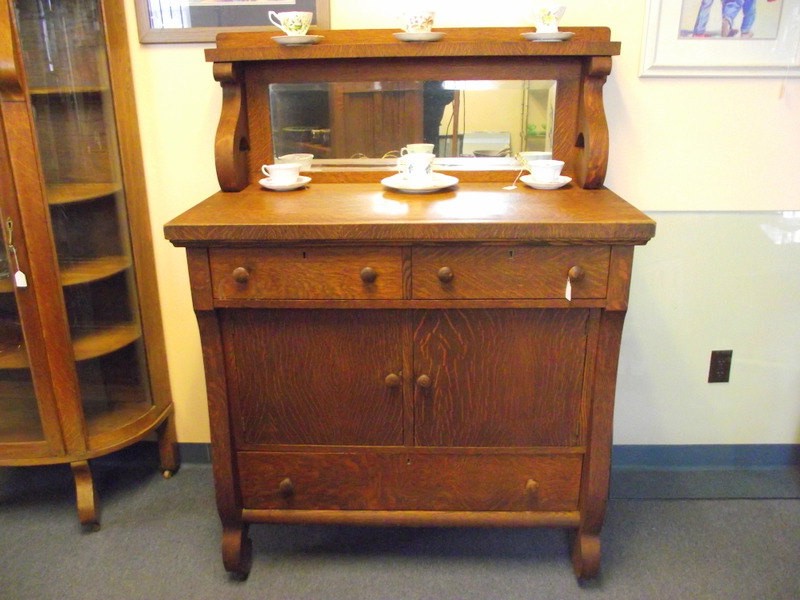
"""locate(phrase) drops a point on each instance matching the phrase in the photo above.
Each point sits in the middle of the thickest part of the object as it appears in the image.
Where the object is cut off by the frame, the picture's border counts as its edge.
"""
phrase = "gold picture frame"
(176, 21)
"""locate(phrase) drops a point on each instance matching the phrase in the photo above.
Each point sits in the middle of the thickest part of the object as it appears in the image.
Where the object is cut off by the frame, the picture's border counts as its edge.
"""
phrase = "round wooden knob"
(576, 273)
(241, 275)
(286, 488)
(392, 380)
(532, 489)
(368, 275)
(445, 274)
(424, 381)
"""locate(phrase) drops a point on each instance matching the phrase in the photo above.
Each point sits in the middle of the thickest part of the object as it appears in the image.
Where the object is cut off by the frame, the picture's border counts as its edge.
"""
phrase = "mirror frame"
(246, 63)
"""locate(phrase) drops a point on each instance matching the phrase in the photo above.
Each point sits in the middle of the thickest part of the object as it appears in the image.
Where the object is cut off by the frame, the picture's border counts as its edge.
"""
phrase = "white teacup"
(282, 173)
(417, 166)
(293, 22)
(546, 16)
(416, 149)
(418, 21)
(545, 171)
(530, 155)
(302, 158)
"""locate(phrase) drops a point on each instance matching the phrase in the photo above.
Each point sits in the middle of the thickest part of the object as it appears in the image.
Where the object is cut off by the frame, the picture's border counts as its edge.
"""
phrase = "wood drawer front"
(306, 273)
(409, 481)
(509, 271)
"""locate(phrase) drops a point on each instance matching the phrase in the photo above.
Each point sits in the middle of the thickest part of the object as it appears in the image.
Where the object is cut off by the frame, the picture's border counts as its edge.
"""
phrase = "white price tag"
(20, 280)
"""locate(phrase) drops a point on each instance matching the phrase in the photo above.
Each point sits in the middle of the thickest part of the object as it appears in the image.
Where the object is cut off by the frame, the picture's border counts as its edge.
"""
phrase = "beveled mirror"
(366, 124)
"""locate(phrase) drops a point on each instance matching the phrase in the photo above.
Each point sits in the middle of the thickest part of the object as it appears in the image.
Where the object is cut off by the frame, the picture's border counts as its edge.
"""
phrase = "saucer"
(283, 187)
(428, 36)
(438, 181)
(560, 181)
(550, 36)
(297, 40)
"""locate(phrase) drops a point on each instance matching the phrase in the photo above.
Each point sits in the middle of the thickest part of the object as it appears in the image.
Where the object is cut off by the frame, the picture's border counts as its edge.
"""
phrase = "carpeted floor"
(160, 541)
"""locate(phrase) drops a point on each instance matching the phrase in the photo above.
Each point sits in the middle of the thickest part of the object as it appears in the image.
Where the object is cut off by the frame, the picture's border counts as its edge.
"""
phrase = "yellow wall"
(724, 147)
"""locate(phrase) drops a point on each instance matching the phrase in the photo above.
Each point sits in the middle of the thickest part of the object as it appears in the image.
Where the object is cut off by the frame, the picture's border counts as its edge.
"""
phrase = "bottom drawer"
(409, 481)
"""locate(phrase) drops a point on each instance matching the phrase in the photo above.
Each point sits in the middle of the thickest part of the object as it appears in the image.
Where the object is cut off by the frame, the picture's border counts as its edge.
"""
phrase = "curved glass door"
(65, 60)
(20, 421)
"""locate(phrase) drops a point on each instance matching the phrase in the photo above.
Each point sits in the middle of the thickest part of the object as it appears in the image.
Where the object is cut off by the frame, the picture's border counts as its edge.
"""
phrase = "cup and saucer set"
(417, 26)
(294, 24)
(416, 174)
(546, 16)
(544, 173)
(284, 175)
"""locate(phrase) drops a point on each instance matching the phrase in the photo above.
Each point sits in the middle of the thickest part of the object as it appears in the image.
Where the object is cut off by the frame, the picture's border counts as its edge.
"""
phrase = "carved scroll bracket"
(232, 144)
(592, 139)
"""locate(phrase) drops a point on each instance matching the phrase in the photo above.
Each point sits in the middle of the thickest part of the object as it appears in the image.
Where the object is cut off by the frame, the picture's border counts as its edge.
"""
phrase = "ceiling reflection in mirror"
(471, 124)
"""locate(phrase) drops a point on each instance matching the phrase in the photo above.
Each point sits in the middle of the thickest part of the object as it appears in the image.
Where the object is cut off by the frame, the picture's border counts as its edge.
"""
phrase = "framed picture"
(721, 38)
(167, 21)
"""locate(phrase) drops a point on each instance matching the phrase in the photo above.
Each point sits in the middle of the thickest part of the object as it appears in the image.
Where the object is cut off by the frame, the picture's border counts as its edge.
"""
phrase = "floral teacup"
(546, 16)
(291, 22)
(418, 21)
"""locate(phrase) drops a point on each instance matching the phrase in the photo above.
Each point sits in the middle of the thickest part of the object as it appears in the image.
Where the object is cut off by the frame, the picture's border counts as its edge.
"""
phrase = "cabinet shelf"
(68, 193)
(86, 344)
(76, 272)
(62, 90)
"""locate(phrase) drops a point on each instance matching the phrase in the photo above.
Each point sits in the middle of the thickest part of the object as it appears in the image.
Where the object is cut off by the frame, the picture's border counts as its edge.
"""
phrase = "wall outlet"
(719, 371)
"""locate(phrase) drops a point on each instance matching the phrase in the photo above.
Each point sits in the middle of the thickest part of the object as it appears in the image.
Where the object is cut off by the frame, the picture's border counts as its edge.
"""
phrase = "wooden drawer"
(306, 273)
(409, 481)
(509, 271)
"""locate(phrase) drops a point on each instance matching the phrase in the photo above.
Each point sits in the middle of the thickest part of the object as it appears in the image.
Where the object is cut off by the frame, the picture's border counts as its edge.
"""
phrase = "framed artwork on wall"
(169, 21)
(721, 38)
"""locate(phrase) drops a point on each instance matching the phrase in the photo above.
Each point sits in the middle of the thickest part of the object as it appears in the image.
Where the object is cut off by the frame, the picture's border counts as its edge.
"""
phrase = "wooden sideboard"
(379, 358)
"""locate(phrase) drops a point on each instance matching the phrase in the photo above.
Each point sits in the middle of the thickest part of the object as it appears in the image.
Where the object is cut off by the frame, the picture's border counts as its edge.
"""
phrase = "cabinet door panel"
(314, 376)
(499, 377)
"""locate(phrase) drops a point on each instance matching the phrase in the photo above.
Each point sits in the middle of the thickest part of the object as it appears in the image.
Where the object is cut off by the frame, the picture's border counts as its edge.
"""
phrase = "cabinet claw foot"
(237, 551)
(586, 555)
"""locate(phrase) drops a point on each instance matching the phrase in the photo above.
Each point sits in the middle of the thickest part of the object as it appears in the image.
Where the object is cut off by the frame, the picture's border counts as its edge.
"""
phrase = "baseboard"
(700, 456)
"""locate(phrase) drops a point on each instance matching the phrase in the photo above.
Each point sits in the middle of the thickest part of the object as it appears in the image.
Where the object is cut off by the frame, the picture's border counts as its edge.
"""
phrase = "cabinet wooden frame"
(53, 346)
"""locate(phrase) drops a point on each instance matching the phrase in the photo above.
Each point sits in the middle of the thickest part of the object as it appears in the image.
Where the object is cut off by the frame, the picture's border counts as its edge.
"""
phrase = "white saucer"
(283, 187)
(438, 181)
(561, 181)
(428, 36)
(297, 40)
(550, 36)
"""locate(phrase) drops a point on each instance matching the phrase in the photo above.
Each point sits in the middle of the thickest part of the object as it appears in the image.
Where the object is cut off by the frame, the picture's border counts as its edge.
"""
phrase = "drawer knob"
(532, 489)
(392, 380)
(368, 275)
(424, 381)
(241, 275)
(286, 488)
(445, 274)
(576, 273)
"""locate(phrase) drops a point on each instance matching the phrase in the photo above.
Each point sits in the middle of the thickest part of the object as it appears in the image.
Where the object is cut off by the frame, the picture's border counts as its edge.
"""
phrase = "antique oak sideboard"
(380, 358)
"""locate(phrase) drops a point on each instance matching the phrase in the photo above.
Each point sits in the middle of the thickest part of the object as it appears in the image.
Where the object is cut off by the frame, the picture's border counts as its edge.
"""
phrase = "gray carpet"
(160, 540)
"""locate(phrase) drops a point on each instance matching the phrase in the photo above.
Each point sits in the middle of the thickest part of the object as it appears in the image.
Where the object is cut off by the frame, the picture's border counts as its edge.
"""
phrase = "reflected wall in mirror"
(374, 120)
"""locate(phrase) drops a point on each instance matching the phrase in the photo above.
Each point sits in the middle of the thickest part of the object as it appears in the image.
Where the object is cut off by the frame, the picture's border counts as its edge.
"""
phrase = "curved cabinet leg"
(86, 496)
(237, 550)
(168, 448)
(586, 555)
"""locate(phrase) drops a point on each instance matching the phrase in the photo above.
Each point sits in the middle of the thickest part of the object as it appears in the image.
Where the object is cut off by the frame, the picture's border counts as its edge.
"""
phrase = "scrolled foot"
(586, 555)
(237, 551)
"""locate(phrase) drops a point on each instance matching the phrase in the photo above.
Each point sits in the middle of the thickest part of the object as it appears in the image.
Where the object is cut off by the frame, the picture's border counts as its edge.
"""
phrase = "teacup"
(418, 21)
(546, 16)
(416, 149)
(292, 22)
(417, 166)
(545, 171)
(525, 157)
(282, 173)
(302, 158)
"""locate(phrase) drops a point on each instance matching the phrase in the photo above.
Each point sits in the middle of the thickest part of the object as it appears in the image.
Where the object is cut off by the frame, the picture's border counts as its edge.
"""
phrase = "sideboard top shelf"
(379, 43)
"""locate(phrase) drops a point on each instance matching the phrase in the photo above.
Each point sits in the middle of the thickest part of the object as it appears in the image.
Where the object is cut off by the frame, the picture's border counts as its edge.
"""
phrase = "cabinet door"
(500, 377)
(66, 64)
(314, 376)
